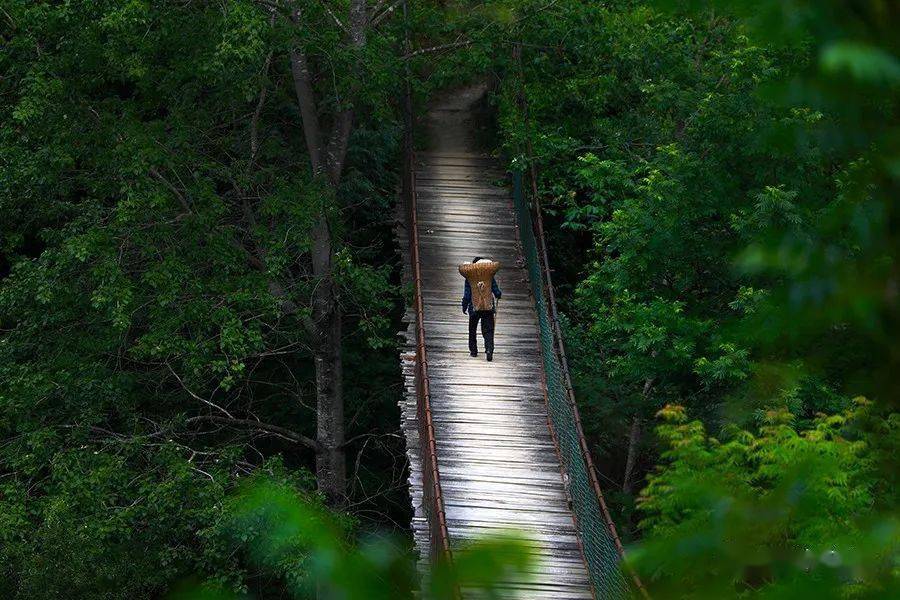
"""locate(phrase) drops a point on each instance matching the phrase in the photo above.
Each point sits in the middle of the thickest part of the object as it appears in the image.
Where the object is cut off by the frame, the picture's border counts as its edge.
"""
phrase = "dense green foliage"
(310, 549)
(737, 510)
(156, 205)
(719, 183)
(720, 198)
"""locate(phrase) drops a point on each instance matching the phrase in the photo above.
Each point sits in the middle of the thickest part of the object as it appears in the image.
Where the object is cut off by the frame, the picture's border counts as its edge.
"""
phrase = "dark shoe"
(490, 356)
(473, 354)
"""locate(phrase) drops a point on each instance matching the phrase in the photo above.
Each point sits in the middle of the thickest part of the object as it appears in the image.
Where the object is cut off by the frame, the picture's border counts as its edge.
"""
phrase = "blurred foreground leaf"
(299, 540)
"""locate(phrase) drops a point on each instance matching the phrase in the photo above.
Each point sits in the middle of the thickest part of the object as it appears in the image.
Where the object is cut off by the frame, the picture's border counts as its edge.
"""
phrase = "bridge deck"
(498, 464)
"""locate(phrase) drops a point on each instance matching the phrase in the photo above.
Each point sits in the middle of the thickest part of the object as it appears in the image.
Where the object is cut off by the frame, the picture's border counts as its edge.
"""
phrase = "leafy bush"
(768, 512)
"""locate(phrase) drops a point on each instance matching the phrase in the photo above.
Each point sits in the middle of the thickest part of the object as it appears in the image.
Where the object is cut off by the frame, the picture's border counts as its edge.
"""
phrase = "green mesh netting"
(599, 548)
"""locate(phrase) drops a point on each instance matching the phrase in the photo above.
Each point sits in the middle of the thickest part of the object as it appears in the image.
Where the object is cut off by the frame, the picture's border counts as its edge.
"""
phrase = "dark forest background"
(200, 293)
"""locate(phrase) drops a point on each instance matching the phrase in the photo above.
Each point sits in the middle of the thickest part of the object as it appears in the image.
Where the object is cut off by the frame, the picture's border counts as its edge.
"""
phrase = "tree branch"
(307, 102)
(276, 430)
(254, 121)
(276, 8)
(335, 18)
(387, 12)
(336, 151)
(195, 396)
(172, 188)
(369, 435)
(343, 123)
(437, 48)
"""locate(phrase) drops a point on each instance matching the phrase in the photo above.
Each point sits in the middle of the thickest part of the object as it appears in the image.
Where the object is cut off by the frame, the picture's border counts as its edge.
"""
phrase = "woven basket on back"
(480, 276)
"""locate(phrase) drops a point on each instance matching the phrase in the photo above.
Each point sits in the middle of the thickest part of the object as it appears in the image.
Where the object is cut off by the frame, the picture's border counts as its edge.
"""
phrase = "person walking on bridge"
(480, 295)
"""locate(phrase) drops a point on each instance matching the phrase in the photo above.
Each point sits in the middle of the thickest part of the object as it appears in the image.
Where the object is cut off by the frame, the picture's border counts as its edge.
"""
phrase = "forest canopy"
(200, 286)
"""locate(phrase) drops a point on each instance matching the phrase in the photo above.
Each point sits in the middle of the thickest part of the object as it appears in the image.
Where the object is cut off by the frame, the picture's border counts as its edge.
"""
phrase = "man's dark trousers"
(487, 330)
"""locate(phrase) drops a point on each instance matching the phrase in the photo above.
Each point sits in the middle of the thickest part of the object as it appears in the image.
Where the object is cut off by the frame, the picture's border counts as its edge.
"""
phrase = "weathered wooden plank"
(499, 468)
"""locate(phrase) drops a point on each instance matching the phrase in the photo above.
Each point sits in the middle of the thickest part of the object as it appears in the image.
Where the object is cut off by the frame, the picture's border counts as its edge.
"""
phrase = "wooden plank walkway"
(498, 465)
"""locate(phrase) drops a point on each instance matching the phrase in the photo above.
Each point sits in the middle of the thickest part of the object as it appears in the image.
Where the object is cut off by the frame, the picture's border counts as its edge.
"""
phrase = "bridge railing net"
(601, 547)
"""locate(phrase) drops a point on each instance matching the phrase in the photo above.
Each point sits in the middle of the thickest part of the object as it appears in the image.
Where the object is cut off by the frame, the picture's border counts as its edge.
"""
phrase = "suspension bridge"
(493, 446)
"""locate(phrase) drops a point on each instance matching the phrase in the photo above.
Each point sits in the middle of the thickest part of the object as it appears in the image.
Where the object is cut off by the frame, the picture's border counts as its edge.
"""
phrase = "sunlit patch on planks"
(498, 465)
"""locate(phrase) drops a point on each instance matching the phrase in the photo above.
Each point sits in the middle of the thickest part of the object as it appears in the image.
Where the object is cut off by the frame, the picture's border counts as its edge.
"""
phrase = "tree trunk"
(633, 439)
(331, 469)
(327, 159)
